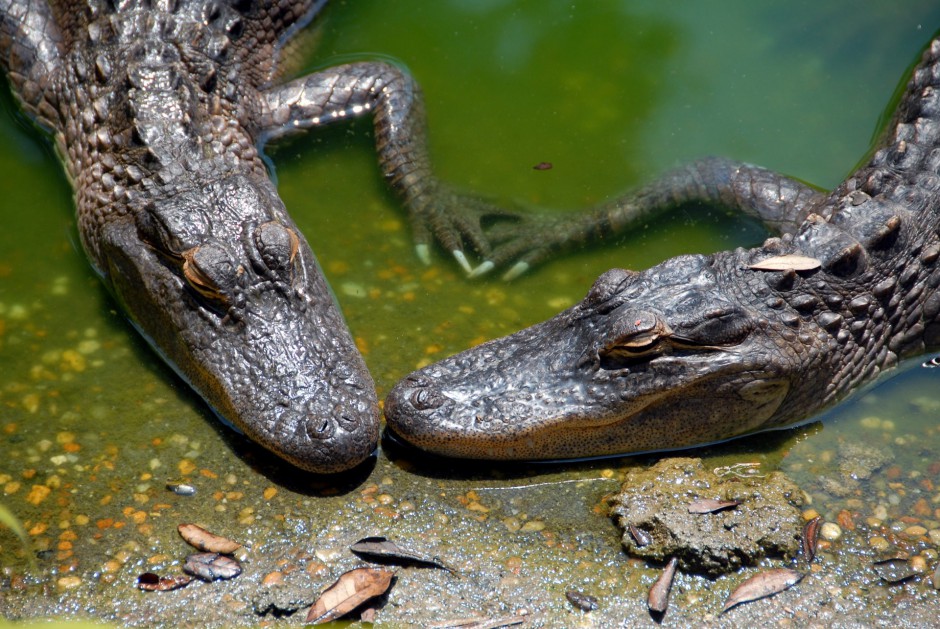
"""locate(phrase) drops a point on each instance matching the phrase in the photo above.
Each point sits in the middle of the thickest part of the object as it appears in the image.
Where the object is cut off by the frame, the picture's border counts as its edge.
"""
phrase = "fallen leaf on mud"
(351, 590)
(658, 599)
(203, 540)
(150, 582)
(211, 566)
(894, 570)
(706, 505)
(810, 536)
(792, 262)
(584, 602)
(383, 548)
(641, 537)
(763, 585)
(543, 166)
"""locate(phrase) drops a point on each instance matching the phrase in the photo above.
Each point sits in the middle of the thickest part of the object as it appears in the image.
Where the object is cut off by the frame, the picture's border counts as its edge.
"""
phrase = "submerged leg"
(393, 99)
(779, 202)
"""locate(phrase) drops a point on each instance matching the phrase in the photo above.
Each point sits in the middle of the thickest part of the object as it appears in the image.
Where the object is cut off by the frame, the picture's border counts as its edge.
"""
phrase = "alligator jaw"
(280, 365)
(578, 385)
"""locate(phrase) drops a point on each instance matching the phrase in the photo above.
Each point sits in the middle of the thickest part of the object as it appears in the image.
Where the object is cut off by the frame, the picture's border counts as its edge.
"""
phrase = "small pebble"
(830, 531)
(878, 543)
(915, 531)
(918, 564)
(69, 582)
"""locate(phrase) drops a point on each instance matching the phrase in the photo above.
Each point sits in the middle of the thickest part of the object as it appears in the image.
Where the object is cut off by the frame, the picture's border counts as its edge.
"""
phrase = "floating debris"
(211, 566)
(707, 505)
(658, 599)
(203, 540)
(351, 590)
(584, 602)
(641, 537)
(150, 582)
(810, 536)
(382, 548)
(894, 570)
(933, 362)
(543, 166)
(791, 262)
(763, 585)
(181, 489)
(741, 470)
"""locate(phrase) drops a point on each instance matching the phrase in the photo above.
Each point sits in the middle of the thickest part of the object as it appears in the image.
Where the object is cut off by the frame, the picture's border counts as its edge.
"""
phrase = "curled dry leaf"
(543, 166)
(894, 570)
(762, 585)
(203, 540)
(792, 262)
(810, 536)
(640, 537)
(706, 505)
(150, 582)
(584, 602)
(383, 548)
(351, 590)
(181, 489)
(658, 599)
(211, 566)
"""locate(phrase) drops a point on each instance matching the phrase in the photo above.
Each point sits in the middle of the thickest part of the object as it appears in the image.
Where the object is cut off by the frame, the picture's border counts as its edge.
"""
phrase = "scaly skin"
(157, 109)
(701, 349)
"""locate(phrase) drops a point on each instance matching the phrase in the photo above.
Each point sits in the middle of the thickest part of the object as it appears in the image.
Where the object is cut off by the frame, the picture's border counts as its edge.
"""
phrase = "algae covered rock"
(655, 502)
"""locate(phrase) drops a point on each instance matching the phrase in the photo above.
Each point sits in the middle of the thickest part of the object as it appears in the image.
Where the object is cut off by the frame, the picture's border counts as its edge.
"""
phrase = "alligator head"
(225, 287)
(663, 359)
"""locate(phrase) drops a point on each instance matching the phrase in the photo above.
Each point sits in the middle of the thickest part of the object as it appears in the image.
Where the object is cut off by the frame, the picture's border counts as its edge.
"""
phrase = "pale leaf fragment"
(351, 590)
(791, 262)
(658, 599)
(762, 585)
(707, 505)
(203, 540)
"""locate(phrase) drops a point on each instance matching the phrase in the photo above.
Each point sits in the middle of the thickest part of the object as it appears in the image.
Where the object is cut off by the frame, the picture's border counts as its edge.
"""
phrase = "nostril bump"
(423, 400)
(319, 427)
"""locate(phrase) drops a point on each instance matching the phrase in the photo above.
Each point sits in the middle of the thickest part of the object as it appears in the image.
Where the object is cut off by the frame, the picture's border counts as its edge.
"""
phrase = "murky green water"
(610, 93)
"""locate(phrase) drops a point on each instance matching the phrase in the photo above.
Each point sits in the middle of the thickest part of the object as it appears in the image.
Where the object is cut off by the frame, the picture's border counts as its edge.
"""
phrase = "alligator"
(704, 348)
(158, 110)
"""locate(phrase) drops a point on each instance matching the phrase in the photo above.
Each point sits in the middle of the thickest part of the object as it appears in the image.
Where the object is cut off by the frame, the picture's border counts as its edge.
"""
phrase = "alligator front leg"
(393, 99)
(779, 202)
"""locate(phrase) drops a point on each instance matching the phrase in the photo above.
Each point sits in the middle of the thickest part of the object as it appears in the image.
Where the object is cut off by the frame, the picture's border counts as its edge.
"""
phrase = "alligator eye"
(210, 271)
(609, 285)
(277, 245)
(168, 227)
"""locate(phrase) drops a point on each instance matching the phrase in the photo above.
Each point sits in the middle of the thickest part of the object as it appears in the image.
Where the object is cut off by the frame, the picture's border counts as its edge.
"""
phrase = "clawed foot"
(499, 237)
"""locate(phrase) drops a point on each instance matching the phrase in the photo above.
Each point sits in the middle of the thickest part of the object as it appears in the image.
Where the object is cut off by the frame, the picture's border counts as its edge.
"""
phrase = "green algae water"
(92, 424)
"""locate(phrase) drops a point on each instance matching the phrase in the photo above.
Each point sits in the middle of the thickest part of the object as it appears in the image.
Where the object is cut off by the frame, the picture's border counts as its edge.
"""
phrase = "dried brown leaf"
(211, 566)
(792, 262)
(584, 602)
(383, 548)
(658, 599)
(150, 582)
(761, 585)
(707, 505)
(810, 536)
(203, 540)
(894, 570)
(351, 590)
(640, 537)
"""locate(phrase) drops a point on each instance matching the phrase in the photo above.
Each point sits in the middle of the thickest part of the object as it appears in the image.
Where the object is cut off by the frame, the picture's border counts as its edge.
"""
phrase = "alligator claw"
(462, 261)
(517, 269)
(485, 267)
(424, 253)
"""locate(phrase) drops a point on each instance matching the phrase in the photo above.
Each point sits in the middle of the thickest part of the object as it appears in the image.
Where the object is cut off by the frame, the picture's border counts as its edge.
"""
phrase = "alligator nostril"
(423, 400)
(319, 427)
